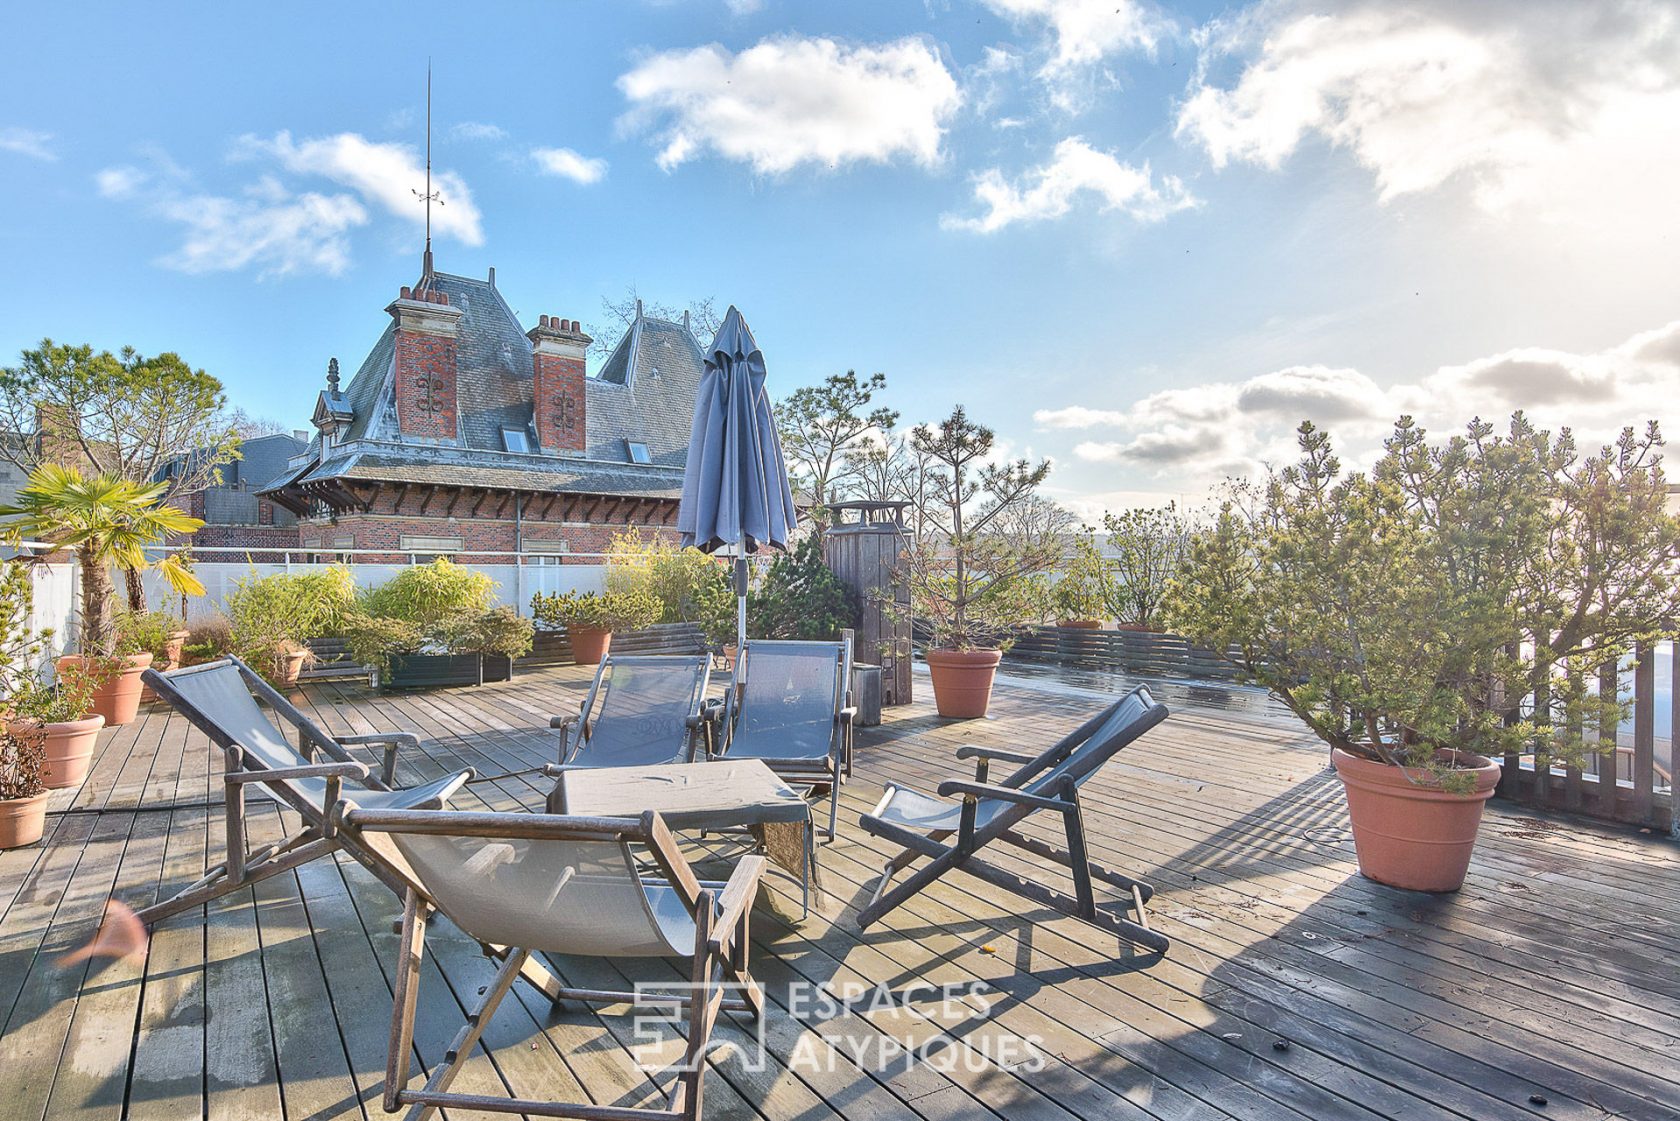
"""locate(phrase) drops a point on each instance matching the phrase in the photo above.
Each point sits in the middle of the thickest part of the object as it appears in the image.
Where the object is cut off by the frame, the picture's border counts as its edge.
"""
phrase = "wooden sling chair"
(788, 706)
(951, 834)
(220, 699)
(522, 885)
(639, 711)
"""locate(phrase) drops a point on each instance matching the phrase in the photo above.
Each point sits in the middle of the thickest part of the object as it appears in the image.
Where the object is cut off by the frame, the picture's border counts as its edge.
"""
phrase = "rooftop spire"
(332, 375)
(430, 196)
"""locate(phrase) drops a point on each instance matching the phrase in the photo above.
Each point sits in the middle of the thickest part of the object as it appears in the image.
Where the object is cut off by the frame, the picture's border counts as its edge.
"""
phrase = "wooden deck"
(1549, 987)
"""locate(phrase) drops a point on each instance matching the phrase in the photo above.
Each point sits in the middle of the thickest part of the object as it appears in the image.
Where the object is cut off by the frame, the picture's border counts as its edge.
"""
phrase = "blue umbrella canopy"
(735, 488)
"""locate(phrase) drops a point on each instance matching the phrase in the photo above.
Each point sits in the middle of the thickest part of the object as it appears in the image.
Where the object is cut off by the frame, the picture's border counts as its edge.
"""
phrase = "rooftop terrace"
(1548, 987)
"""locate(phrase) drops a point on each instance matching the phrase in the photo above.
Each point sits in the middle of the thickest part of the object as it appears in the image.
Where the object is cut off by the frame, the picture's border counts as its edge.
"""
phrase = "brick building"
(463, 434)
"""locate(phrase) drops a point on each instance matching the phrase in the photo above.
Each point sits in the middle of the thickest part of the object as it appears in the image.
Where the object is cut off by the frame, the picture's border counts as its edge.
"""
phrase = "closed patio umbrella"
(735, 488)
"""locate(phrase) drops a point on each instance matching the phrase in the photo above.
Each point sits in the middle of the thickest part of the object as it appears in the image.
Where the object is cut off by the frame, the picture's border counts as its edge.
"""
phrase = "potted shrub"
(159, 633)
(590, 618)
(23, 795)
(271, 618)
(1146, 547)
(401, 628)
(107, 522)
(1404, 614)
(1076, 597)
(497, 636)
(59, 714)
(207, 639)
(969, 576)
(691, 586)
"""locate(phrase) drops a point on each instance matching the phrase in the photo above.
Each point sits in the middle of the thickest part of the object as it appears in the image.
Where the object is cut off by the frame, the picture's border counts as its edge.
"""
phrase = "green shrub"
(149, 632)
(21, 647)
(70, 697)
(498, 631)
(691, 586)
(608, 611)
(273, 616)
(427, 593)
(374, 639)
(800, 597)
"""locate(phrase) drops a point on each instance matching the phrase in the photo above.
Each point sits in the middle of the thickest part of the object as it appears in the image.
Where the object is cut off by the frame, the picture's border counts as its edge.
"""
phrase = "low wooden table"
(718, 796)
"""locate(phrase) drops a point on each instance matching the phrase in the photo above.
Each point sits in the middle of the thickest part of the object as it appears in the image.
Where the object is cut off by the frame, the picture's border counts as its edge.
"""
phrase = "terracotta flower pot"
(1408, 835)
(962, 681)
(1137, 627)
(590, 645)
(69, 748)
(172, 649)
(289, 667)
(1080, 624)
(117, 698)
(22, 820)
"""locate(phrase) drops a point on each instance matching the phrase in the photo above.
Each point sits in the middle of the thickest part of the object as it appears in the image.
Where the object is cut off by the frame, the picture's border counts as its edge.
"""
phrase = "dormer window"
(638, 452)
(516, 440)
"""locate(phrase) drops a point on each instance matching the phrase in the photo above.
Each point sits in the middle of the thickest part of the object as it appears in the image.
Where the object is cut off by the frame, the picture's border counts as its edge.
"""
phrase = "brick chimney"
(426, 364)
(557, 349)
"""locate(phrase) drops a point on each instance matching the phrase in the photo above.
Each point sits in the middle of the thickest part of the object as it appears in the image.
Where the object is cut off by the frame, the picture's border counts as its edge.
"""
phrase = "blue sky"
(1142, 239)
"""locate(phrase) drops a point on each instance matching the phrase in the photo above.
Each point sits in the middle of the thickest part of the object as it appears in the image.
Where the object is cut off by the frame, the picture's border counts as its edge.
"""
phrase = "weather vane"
(430, 196)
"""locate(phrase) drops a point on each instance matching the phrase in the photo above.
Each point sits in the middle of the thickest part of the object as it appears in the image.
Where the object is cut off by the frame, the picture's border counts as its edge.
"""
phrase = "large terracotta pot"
(118, 697)
(22, 820)
(962, 681)
(69, 748)
(1080, 624)
(590, 645)
(1409, 835)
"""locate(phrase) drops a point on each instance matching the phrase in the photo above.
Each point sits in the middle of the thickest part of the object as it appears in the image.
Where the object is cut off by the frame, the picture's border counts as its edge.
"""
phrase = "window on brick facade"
(428, 548)
(514, 440)
(638, 452)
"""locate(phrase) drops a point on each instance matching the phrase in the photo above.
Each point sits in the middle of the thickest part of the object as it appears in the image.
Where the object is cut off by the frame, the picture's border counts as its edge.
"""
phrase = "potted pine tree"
(107, 523)
(970, 576)
(1405, 615)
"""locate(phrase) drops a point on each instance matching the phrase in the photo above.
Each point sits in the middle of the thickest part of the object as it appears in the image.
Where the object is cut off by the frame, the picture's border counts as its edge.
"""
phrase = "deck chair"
(639, 711)
(988, 812)
(220, 699)
(788, 705)
(523, 885)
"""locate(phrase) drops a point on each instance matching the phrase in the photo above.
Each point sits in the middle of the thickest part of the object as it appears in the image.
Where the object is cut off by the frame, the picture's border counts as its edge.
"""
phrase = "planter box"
(433, 671)
(498, 667)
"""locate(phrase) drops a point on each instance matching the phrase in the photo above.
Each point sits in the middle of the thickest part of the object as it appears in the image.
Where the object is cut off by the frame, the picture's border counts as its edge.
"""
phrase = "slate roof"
(644, 391)
(447, 467)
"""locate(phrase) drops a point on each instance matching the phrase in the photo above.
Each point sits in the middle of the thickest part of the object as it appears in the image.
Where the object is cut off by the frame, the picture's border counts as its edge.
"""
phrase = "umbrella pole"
(741, 602)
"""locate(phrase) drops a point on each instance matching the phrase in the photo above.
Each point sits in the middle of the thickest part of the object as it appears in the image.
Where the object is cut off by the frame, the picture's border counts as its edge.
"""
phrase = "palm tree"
(106, 521)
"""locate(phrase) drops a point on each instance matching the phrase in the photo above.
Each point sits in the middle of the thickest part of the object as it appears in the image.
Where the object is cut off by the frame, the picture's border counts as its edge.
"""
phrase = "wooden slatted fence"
(1141, 652)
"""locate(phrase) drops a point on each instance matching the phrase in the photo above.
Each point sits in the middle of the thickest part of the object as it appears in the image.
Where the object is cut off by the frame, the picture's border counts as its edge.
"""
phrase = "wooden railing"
(1631, 779)
(1142, 652)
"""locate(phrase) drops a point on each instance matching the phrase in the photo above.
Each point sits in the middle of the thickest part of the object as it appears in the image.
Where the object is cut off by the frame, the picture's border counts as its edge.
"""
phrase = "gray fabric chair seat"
(915, 810)
(438, 791)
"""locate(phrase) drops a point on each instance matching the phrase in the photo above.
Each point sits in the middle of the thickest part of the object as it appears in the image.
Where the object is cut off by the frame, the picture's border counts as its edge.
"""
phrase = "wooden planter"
(498, 667)
(117, 698)
(22, 820)
(433, 671)
(962, 681)
(1406, 833)
(69, 748)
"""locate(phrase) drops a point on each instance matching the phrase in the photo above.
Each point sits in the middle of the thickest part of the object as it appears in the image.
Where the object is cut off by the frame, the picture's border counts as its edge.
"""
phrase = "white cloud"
(568, 164)
(477, 130)
(1078, 416)
(391, 176)
(29, 142)
(119, 182)
(268, 228)
(1550, 107)
(792, 100)
(1076, 168)
(1084, 31)
(743, 7)
(1197, 433)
